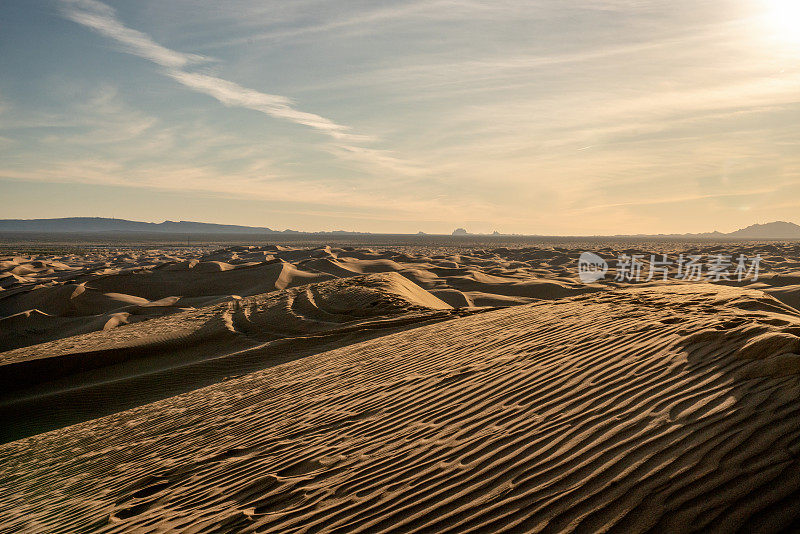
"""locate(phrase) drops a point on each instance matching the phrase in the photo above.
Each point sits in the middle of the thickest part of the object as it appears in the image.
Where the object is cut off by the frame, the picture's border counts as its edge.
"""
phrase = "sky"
(585, 117)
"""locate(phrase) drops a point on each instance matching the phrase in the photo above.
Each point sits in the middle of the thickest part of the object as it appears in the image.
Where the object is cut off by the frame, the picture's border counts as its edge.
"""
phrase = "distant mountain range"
(104, 225)
(773, 230)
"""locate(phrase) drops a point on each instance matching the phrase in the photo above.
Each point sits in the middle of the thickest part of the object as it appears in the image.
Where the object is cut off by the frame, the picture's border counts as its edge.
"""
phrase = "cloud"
(102, 19)
(249, 184)
(233, 94)
(682, 199)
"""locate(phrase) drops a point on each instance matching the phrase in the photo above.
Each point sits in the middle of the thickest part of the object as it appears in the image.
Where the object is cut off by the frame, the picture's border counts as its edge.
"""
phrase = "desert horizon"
(90, 228)
(419, 266)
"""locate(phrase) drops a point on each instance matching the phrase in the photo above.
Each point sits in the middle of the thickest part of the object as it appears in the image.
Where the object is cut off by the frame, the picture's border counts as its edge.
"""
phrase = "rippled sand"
(283, 389)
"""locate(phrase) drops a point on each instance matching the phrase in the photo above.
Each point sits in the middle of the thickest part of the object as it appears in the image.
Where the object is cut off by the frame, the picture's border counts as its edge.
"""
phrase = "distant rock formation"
(459, 231)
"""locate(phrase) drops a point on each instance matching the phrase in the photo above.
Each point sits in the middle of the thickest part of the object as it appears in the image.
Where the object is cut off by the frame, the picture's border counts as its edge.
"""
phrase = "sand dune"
(59, 382)
(399, 400)
(111, 288)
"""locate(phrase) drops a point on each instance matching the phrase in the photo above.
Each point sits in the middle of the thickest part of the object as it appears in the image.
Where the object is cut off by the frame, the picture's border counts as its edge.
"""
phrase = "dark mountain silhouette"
(104, 225)
(773, 230)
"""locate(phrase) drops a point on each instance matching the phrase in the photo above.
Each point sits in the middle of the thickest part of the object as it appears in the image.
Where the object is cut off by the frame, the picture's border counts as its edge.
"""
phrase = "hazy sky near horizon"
(543, 116)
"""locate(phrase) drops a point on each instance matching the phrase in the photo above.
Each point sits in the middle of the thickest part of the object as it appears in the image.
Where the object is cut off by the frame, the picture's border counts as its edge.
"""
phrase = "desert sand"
(411, 389)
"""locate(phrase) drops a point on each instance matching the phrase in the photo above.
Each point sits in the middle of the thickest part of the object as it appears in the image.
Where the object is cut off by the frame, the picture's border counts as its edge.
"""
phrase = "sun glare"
(784, 18)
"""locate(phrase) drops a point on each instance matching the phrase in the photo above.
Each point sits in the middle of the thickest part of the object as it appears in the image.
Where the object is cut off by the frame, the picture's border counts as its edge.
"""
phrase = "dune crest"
(49, 383)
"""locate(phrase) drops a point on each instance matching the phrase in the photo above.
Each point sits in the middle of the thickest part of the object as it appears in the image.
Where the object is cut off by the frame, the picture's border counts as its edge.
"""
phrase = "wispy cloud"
(683, 199)
(102, 19)
(100, 140)
(248, 184)
(233, 94)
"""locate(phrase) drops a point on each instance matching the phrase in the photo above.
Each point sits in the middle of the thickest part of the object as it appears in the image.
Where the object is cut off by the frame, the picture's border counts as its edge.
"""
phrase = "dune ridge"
(68, 380)
(48, 297)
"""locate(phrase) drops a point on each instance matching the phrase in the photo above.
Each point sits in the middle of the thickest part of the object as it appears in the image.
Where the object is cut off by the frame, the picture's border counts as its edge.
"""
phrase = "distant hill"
(773, 230)
(104, 225)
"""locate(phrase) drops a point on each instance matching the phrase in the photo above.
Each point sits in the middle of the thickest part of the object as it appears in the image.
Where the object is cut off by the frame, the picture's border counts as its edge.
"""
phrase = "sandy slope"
(628, 410)
(368, 403)
(61, 382)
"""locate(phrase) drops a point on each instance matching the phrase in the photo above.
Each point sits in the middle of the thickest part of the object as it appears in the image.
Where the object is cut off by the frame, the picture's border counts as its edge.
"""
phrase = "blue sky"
(581, 117)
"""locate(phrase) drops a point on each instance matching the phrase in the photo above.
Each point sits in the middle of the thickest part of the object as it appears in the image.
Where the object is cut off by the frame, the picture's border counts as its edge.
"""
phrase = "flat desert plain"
(407, 389)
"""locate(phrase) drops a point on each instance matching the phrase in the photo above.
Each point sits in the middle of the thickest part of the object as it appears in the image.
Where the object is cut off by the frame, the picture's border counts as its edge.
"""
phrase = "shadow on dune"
(53, 385)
